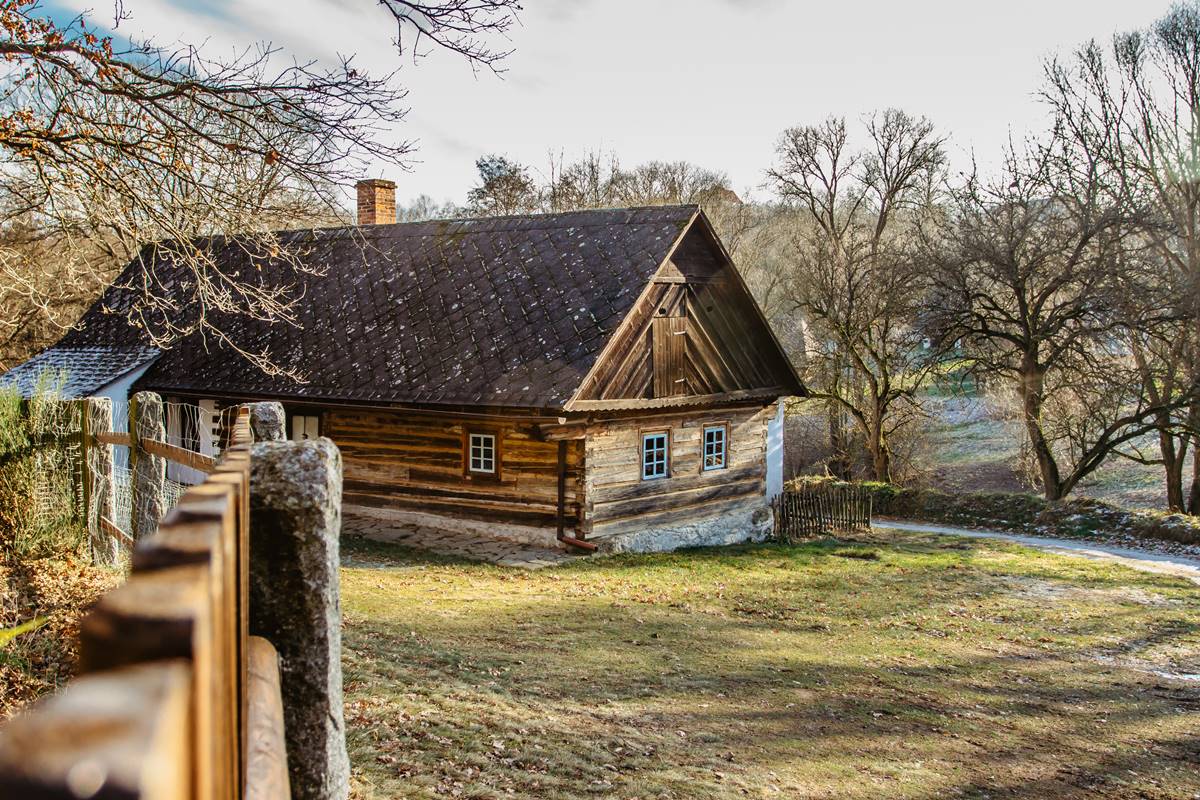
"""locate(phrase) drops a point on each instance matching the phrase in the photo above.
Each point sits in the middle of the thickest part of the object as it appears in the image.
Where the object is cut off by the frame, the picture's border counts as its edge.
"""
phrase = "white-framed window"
(715, 440)
(481, 453)
(654, 455)
(305, 426)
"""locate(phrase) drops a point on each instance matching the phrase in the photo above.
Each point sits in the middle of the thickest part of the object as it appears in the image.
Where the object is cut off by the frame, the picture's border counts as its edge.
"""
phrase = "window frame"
(290, 413)
(722, 426)
(468, 471)
(296, 418)
(666, 455)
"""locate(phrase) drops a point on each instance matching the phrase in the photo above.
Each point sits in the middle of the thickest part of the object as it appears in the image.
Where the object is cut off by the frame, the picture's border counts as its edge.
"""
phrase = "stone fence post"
(146, 421)
(295, 521)
(98, 462)
(268, 422)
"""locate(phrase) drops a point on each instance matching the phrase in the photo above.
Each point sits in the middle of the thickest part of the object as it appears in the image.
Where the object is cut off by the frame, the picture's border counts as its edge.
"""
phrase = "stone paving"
(453, 543)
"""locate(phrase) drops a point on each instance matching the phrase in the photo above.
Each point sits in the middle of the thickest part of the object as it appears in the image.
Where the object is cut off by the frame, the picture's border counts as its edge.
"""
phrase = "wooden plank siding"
(414, 462)
(668, 336)
(695, 332)
(618, 501)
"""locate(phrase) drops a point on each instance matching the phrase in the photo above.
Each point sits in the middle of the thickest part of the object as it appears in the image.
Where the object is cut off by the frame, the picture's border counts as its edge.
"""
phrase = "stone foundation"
(751, 525)
(523, 534)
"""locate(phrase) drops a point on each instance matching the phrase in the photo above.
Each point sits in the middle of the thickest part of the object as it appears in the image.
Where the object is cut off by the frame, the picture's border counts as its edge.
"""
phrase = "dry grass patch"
(60, 590)
(927, 670)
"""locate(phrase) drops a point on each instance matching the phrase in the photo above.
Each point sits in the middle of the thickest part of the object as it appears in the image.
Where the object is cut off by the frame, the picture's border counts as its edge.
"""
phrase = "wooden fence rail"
(97, 478)
(821, 508)
(165, 699)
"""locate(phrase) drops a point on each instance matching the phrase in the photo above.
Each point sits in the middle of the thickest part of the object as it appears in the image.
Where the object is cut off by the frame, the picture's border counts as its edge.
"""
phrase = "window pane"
(714, 447)
(482, 452)
(654, 455)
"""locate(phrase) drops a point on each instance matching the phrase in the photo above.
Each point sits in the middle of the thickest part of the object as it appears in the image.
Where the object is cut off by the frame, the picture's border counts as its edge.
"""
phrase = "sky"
(713, 82)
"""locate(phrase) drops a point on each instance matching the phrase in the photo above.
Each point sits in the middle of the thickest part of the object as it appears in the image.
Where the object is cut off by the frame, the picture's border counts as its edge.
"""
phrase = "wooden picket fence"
(174, 699)
(821, 508)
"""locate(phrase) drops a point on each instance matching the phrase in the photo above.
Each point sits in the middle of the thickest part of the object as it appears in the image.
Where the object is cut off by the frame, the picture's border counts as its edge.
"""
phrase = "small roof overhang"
(78, 371)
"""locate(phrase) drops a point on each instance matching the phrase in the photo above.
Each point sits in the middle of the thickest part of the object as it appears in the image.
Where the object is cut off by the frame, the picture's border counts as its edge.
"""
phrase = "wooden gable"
(695, 335)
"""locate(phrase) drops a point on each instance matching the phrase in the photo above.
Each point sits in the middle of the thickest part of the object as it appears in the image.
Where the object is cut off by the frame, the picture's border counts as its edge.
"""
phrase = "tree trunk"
(1032, 388)
(1193, 502)
(882, 461)
(1172, 467)
(839, 462)
(881, 454)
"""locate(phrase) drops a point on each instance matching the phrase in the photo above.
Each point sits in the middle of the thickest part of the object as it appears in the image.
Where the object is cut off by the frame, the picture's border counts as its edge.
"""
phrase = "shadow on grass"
(724, 671)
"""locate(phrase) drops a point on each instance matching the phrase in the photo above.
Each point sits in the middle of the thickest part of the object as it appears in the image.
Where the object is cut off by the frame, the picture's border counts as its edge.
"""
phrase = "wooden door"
(668, 337)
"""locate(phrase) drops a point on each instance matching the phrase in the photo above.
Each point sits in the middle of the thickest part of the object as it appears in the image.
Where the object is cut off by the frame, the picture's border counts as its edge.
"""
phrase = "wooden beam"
(157, 615)
(676, 402)
(560, 511)
(233, 469)
(557, 432)
(679, 501)
(179, 455)
(113, 437)
(111, 528)
(124, 733)
(266, 761)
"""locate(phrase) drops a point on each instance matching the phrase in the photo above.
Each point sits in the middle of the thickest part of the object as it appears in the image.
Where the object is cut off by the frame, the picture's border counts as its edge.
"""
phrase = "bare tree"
(588, 182)
(853, 279)
(597, 180)
(1134, 106)
(466, 27)
(107, 149)
(424, 207)
(1031, 270)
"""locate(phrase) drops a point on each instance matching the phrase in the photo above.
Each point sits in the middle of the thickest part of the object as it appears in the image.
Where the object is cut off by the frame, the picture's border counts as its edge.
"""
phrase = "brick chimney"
(376, 202)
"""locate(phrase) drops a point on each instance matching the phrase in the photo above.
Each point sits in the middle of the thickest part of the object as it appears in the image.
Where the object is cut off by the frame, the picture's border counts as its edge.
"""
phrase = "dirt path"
(1144, 560)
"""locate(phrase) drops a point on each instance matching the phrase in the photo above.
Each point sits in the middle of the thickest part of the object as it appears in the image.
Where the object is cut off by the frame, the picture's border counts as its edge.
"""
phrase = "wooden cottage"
(599, 377)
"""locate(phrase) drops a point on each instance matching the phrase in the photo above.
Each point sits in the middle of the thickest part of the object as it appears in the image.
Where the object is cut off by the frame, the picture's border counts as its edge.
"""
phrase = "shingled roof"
(508, 311)
(76, 371)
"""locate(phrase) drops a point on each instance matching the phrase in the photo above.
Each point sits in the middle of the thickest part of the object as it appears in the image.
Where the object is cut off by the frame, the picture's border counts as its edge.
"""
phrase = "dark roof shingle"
(508, 311)
(81, 370)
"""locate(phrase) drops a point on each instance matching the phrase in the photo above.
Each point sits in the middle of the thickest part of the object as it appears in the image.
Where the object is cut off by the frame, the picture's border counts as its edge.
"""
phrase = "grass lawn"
(981, 456)
(920, 667)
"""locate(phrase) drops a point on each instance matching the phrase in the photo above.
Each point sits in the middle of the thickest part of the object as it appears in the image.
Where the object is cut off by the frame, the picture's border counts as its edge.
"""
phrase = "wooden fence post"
(123, 734)
(170, 681)
(234, 470)
(149, 471)
(267, 773)
(202, 531)
(162, 615)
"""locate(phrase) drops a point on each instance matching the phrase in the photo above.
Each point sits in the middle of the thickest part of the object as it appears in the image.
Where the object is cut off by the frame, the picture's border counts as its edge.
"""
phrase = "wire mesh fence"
(72, 476)
(122, 483)
(40, 487)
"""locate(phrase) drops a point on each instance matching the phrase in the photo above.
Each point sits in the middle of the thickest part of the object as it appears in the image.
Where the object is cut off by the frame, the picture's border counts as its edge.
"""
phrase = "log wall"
(413, 462)
(618, 501)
